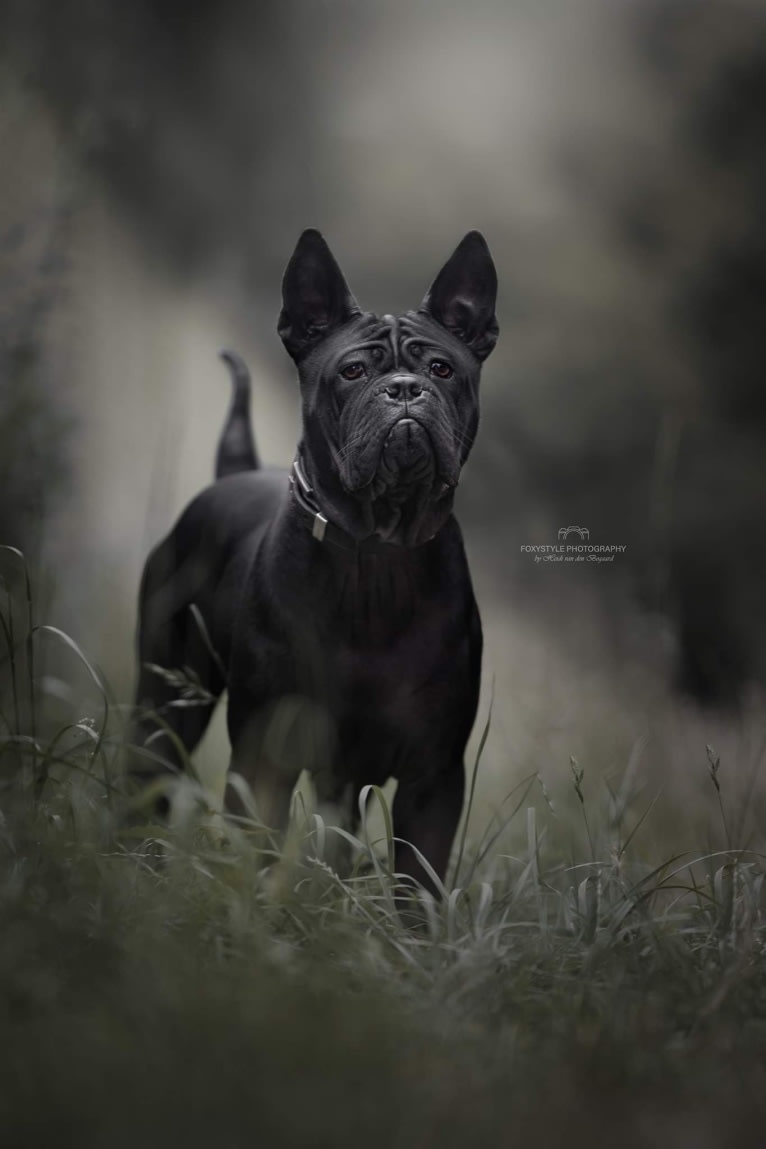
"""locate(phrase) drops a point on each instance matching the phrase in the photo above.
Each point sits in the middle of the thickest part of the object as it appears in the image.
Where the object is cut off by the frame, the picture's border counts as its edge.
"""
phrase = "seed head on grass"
(578, 773)
(714, 763)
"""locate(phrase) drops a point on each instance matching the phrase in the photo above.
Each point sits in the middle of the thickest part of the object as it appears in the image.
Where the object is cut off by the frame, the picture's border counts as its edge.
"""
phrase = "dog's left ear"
(462, 297)
(315, 296)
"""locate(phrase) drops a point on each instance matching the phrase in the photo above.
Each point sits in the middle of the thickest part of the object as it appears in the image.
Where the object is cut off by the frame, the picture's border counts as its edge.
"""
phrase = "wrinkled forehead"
(394, 335)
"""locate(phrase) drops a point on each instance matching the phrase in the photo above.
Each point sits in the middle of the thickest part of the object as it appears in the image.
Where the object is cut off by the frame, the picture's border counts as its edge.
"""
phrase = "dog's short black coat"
(337, 602)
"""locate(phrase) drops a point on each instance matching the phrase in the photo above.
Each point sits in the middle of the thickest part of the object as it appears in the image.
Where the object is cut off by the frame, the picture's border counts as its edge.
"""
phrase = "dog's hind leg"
(236, 448)
(180, 674)
(179, 685)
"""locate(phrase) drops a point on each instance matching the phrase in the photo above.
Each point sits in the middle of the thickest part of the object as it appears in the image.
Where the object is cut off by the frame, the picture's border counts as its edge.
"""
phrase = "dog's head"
(390, 405)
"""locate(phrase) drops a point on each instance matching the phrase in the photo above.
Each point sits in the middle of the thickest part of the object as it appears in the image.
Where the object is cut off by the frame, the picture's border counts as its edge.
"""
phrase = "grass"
(190, 984)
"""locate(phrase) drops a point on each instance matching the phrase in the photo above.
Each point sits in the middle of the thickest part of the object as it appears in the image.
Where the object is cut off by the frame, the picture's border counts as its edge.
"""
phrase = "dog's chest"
(398, 677)
(370, 603)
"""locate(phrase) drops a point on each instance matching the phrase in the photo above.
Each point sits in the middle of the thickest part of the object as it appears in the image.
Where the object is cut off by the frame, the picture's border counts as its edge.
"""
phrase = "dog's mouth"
(408, 452)
(404, 483)
(406, 459)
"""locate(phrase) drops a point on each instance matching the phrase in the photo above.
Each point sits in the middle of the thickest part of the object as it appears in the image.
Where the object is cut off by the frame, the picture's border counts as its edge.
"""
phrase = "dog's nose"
(404, 387)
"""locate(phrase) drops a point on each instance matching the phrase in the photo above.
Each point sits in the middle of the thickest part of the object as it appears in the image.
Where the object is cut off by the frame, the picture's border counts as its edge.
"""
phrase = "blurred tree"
(196, 115)
(711, 60)
(35, 214)
(193, 117)
(643, 405)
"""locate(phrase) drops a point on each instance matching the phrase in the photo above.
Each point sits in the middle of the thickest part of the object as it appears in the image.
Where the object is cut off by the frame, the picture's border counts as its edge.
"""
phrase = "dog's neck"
(354, 516)
(369, 588)
(320, 515)
(405, 523)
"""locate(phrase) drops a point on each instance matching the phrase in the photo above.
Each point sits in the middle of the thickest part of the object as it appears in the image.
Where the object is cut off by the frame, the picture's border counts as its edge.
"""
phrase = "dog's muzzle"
(406, 459)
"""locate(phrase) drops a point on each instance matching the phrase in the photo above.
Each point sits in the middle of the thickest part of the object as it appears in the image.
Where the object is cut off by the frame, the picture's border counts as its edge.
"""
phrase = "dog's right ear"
(315, 296)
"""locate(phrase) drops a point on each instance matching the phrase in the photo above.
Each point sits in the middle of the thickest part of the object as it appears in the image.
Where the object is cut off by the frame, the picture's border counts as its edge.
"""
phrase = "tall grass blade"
(474, 775)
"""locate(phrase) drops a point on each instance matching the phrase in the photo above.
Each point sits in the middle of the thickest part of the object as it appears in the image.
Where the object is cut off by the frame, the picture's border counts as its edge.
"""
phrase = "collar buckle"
(319, 526)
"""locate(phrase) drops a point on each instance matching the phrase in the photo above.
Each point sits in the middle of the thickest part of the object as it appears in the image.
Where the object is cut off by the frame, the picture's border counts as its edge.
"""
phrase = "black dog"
(336, 603)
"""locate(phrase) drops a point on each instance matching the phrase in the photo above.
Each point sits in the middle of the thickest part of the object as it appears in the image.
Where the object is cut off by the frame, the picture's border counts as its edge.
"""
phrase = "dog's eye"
(441, 369)
(353, 371)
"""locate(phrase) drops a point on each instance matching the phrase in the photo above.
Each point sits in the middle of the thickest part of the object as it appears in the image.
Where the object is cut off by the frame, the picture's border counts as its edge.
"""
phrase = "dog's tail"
(236, 448)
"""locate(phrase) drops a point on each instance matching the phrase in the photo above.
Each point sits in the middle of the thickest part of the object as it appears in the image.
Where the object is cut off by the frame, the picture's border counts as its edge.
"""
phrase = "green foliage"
(192, 981)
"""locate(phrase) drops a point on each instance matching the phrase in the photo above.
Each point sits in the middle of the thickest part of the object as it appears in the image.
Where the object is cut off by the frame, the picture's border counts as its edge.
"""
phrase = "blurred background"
(159, 161)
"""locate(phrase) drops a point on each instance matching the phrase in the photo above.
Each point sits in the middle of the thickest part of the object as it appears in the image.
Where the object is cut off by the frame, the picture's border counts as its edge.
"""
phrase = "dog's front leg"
(273, 740)
(426, 816)
(271, 788)
(254, 757)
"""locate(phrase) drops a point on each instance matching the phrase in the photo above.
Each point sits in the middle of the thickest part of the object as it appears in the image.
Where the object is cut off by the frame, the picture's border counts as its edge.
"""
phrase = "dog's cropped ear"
(462, 297)
(315, 296)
